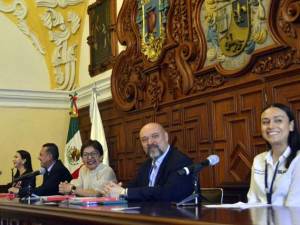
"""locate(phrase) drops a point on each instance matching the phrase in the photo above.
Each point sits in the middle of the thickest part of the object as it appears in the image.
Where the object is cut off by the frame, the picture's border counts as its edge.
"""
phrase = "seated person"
(275, 177)
(93, 175)
(157, 178)
(56, 171)
(22, 162)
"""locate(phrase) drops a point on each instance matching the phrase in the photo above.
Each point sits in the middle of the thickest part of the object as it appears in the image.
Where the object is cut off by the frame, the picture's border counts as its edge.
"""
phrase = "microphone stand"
(12, 175)
(29, 194)
(194, 196)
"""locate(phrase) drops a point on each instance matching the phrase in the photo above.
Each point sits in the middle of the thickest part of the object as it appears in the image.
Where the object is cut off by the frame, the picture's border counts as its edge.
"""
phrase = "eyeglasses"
(92, 155)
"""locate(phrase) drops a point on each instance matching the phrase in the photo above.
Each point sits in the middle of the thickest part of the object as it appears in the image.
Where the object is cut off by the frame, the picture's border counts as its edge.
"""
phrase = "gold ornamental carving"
(151, 20)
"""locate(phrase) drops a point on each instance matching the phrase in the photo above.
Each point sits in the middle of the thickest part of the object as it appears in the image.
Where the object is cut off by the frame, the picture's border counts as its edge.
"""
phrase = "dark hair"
(294, 136)
(27, 165)
(92, 143)
(52, 149)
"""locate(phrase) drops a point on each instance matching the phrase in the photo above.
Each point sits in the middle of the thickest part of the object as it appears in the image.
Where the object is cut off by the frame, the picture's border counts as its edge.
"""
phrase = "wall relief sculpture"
(64, 55)
(19, 9)
(234, 30)
(55, 30)
(62, 27)
(151, 20)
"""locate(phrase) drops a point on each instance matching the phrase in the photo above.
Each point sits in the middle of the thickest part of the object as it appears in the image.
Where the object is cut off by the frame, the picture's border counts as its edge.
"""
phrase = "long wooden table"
(13, 212)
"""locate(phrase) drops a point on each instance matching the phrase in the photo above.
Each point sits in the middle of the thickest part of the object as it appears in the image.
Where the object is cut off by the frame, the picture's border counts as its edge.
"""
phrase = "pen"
(125, 208)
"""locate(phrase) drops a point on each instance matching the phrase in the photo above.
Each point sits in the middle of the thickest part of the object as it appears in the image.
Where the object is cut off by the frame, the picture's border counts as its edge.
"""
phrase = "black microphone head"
(213, 160)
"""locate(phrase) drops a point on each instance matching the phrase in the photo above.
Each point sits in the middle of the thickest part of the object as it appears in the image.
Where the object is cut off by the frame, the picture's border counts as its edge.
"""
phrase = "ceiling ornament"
(55, 3)
(19, 9)
(64, 54)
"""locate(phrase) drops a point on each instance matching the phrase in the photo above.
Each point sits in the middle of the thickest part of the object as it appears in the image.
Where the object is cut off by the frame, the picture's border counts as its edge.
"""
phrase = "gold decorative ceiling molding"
(55, 29)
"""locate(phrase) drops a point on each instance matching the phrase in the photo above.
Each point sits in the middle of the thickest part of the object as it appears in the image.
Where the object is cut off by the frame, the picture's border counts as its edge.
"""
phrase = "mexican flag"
(73, 145)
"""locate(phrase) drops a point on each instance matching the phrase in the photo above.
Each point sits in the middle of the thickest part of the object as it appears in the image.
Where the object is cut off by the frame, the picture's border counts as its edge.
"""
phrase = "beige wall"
(29, 128)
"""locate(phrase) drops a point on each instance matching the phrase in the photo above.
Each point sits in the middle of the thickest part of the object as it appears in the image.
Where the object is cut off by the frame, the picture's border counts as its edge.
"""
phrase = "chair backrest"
(211, 195)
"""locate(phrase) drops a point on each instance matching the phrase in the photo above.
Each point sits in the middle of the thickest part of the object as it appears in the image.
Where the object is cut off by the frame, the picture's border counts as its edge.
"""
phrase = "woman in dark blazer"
(22, 162)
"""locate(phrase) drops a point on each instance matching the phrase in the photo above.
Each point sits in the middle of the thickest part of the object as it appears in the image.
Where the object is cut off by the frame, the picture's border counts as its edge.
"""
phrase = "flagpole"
(97, 130)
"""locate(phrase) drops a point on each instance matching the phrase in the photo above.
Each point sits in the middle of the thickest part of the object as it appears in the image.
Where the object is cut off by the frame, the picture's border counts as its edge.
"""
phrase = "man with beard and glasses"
(157, 178)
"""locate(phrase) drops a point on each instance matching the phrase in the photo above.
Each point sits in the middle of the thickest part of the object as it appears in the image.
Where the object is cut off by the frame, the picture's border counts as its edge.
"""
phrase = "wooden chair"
(211, 196)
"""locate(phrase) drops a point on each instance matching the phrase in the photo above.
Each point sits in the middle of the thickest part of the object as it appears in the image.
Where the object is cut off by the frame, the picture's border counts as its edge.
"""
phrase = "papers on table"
(71, 199)
(125, 208)
(8, 195)
(238, 205)
(56, 198)
(95, 200)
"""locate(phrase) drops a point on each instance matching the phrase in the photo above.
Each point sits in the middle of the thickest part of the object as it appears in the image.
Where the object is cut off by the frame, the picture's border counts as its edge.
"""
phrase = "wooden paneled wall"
(206, 106)
(226, 123)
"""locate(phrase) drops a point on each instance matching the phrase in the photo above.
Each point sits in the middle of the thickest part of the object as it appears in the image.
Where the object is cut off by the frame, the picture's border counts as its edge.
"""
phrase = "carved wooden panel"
(208, 107)
(224, 123)
(287, 92)
(201, 51)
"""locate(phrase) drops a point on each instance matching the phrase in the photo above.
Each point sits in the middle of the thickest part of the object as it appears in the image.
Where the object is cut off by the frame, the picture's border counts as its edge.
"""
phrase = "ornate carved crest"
(151, 19)
(178, 49)
(233, 38)
(234, 27)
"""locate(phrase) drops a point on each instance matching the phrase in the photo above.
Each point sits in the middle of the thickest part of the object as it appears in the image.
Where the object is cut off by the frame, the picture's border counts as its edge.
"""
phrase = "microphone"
(196, 167)
(41, 171)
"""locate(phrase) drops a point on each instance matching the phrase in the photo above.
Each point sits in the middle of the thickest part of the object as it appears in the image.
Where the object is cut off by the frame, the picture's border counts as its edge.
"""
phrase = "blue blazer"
(169, 186)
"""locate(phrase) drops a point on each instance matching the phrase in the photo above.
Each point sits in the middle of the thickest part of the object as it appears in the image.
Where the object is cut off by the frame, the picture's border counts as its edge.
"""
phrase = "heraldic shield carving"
(151, 19)
(236, 35)
(177, 49)
(234, 27)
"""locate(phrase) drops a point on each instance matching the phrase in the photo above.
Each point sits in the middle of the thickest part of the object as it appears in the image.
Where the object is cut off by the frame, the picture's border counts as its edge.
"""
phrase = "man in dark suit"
(157, 178)
(56, 172)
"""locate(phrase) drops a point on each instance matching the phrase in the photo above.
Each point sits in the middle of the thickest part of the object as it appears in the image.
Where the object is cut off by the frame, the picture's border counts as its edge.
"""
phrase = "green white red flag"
(73, 145)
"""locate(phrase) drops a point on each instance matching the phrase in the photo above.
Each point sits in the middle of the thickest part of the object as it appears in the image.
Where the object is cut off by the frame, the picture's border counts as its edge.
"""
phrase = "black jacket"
(59, 173)
(27, 185)
(169, 186)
